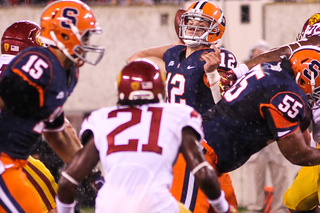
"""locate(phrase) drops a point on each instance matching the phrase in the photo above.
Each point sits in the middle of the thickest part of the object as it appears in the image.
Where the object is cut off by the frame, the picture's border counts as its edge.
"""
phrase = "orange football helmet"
(68, 25)
(203, 11)
(305, 64)
(140, 82)
(310, 28)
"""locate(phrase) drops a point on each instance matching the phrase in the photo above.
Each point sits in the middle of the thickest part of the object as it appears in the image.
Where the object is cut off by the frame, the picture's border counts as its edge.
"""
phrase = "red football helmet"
(140, 81)
(18, 36)
(305, 64)
(310, 28)
(203, 11)
(68, 25)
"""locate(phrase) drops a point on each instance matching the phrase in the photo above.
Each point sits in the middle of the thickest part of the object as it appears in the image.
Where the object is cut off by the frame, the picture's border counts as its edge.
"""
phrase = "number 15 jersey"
(138, 147)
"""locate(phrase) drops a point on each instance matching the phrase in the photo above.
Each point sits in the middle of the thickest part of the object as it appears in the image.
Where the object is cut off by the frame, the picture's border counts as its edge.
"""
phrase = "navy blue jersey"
(185, 76)
(264, 105)
(34, 87)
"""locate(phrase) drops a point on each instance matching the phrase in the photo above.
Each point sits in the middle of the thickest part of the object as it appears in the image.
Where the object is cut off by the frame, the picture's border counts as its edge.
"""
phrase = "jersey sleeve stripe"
(40, 90)
(279, 120)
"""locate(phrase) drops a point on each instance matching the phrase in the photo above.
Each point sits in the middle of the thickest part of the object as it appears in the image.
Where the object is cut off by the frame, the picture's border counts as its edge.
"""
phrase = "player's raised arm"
(309, 35)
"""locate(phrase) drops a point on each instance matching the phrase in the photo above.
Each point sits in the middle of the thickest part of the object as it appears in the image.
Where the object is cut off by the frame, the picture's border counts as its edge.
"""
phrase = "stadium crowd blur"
(10, 3)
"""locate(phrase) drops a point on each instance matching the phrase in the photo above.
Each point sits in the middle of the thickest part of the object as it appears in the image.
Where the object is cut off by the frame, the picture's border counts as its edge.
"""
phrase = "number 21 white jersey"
(137, 148)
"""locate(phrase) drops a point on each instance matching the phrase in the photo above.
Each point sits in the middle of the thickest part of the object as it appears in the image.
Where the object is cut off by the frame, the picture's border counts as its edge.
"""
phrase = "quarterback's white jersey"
(138, 148)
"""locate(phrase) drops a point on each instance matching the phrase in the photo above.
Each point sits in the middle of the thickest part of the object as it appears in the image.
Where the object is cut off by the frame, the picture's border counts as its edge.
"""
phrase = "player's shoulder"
(101, 112)
(173, 53)
(37, 50)
(180, 110)
(41, 55)
(224, 50)
(176, 49)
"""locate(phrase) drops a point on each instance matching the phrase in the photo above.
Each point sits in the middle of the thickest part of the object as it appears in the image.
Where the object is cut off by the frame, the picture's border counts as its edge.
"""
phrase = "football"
(177, 20)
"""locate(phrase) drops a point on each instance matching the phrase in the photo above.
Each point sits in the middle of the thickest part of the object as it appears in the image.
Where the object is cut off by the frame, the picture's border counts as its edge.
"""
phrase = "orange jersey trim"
(37, 87)
(279, 120)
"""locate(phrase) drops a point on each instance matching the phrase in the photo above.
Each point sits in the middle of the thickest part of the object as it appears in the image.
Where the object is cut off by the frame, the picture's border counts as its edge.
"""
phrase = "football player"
(201, 26)
(17, 37)
(137, 143)
(302, 196)
(268, 103)
(33, 88)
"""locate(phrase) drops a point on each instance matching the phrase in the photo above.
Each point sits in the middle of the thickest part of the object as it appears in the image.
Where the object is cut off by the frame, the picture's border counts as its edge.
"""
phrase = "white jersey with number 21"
(138, 147)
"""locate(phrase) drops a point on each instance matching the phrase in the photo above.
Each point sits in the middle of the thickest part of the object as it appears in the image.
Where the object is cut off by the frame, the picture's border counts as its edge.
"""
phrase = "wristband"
(199, 166)
(240, 70)
(220, 204)
(290, 50)
(214, 79)
(65, 207)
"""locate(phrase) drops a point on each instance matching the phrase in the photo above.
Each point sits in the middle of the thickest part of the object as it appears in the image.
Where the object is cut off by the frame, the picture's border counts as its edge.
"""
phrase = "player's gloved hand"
(226, 81)
(96, 180)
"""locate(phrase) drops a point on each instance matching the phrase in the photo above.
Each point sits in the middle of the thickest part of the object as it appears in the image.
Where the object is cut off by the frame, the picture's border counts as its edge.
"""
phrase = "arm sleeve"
(19, 96)
(278, 125)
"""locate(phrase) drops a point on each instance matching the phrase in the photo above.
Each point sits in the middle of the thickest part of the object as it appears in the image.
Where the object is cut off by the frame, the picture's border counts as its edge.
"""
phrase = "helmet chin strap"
(190, 41)
(312, 82)
(297, 77)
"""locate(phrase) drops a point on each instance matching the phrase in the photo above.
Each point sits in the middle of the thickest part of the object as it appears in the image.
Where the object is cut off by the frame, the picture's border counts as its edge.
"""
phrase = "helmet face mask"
(20, 35)
(69, 26)
(305, 64)
(202, 11)
(91, 54)
(140, 82)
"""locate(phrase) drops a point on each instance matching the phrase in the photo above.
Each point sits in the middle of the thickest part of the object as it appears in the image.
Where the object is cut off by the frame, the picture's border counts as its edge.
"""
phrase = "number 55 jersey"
(264, 105)
(138, 147)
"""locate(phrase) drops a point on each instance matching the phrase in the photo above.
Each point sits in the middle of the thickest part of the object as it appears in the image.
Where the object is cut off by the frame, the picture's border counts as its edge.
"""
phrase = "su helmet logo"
(313, 69)
(71, 17)
(305, 64)
(69, 26)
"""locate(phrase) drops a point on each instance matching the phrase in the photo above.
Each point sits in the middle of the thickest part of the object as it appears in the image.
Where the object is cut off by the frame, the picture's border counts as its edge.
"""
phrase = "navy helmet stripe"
(200, 4)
